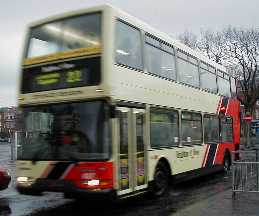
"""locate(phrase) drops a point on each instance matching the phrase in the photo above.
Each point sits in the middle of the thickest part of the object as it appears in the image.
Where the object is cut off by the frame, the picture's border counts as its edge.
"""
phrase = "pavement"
(223, 204)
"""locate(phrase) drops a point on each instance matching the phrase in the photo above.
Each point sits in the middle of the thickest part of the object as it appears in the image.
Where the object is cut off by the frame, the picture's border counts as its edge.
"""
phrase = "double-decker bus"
(111, 107)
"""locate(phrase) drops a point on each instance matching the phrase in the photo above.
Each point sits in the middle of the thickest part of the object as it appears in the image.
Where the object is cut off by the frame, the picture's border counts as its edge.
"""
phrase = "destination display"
(70, 74)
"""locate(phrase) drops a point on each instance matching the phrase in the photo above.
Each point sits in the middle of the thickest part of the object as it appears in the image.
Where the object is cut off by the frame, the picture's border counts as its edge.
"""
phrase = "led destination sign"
(76, 73)
(69, 77)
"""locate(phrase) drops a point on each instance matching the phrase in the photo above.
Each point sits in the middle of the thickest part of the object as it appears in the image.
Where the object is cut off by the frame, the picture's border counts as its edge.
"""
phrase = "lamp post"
(248, 118)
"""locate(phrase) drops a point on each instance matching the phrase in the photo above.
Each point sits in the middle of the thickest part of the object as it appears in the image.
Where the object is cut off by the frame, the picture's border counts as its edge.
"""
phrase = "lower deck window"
(191, 128)
(211, 129)
(226, 124)
(164, 129)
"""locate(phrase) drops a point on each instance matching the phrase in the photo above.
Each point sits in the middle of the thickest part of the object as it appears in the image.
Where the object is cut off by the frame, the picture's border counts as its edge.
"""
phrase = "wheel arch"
(166, 163)
(153, 186)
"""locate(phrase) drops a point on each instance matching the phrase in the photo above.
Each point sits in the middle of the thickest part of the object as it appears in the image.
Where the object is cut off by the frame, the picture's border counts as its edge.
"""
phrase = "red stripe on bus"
(206, 155)
(67, 171)
(215, 156)
(219, 105)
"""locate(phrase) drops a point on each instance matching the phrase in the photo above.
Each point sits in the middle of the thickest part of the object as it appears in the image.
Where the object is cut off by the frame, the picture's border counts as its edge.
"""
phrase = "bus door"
(132, 175)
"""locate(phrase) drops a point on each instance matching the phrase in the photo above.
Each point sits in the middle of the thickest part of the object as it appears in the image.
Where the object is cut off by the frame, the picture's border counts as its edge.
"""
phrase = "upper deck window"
(223, 84)
(128, 46)
(160, 58)
(188, 69)
(208, 77)
(67, 34)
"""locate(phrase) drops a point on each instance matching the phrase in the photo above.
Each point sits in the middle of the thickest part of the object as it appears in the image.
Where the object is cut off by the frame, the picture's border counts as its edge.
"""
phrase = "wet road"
(209, 195)
(176, 203)
(12, 203)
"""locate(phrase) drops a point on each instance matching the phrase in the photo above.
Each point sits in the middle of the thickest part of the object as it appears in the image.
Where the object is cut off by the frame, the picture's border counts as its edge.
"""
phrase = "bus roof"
(137, 23)
(70, 13)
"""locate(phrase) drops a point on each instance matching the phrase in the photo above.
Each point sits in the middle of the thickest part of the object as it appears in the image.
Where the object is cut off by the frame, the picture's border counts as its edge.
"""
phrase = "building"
(7, 121)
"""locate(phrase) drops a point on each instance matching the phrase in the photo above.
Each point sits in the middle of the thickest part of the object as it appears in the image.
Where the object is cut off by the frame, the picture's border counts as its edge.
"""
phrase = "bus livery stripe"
(71, 166)
(94, 50)
(211, 155)
(215, 156)
(227, 106)
(47, 171)
(58, 170)
(225, 102)
(205, 155)
(219, 105)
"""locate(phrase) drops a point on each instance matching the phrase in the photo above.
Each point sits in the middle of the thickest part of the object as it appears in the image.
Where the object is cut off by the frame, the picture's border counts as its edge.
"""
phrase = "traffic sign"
(247, 118)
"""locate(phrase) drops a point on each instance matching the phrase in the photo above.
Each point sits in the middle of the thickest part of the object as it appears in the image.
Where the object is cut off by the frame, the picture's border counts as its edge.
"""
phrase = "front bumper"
(67, 187)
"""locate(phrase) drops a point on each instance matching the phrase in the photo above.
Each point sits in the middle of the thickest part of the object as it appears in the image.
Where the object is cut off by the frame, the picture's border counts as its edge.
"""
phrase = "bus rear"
(64, 143)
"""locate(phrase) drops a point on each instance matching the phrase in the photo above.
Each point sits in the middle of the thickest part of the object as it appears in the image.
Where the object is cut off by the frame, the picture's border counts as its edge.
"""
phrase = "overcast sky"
(170, 16)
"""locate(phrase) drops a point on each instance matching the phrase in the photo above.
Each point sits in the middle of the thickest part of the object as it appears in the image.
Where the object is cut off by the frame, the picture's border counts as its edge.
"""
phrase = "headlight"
(22, 179)
(93, 182)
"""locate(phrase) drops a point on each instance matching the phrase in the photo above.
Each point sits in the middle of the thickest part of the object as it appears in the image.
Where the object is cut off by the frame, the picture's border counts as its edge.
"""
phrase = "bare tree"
(189, 39)
(236, 49)
(242, 47)
(209, 43)
(212, 44)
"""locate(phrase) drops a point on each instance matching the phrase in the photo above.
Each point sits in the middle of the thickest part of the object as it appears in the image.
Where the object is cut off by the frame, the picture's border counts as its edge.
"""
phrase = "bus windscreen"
(64, 131)
(68, 34)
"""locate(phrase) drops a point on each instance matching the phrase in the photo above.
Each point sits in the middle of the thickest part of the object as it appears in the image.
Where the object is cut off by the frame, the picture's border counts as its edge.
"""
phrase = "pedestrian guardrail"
(245, 171)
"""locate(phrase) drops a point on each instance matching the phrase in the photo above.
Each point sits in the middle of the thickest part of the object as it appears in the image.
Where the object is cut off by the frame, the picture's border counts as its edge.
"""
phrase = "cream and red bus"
(109, 106)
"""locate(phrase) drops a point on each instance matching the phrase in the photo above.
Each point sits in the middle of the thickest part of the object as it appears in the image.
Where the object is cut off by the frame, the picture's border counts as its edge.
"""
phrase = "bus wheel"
(30, 192)
(160, 184)
(68, 196)
(226, 163)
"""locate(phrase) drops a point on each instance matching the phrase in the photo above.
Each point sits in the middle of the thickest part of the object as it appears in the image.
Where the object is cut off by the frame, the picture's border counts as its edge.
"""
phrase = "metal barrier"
(245, 171)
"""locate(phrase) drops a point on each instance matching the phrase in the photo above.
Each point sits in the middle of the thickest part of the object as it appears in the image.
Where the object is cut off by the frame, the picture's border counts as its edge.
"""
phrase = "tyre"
(160, 184)
(30, 192)
(68, 196)
(226, 163)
